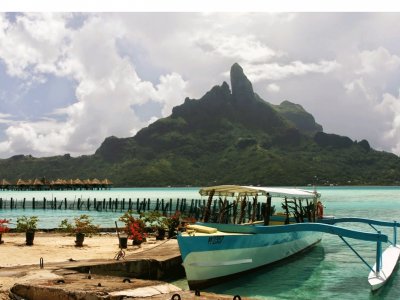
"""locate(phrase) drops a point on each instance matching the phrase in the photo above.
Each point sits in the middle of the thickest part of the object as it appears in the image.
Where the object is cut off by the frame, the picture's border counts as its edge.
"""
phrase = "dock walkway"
(141, 274)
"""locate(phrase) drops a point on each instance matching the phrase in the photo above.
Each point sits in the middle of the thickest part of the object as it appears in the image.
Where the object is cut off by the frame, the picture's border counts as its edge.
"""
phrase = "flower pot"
(160, 234)
(123, 242)
(30, 236)
(171, 234)
(79, 239)
(136, 242)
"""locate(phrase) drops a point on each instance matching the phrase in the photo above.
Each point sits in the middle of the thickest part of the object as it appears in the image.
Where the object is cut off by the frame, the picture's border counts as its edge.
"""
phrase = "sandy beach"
(54, 248)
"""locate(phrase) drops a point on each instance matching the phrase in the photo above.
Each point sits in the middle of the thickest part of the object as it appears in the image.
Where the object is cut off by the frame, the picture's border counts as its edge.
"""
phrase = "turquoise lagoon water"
(329, 270)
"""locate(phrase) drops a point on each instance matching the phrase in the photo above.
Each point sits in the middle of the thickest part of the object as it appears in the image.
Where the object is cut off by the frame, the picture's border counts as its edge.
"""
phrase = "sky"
(69, 80)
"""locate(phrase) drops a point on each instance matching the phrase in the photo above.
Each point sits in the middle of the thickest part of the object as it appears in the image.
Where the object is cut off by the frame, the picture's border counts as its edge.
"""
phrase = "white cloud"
(370, 87)
(107, 83)
(374, 61)
(247, 48)
(389, 108)
(5, 118)
(276, 71)
(273, 87)
(33, 44)
(170, 92)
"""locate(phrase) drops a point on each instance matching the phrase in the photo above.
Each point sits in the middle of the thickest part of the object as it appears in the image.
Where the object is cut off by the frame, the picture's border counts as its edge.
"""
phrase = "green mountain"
(229, 136)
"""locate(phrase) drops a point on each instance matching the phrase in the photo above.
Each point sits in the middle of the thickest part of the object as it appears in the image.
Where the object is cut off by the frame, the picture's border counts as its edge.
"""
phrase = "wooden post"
(11, 203)
(95, 203)
(309, 215)
(33, 203)
(109, 203)
(88, 204)
(79, 203)
(170, 206)
(234, 209)
(249, 210)
(207, 208)
(157, 204)
(301, 212)
(253, 216)
(116, 204)
(1, 203)
(65, 203)
(191, 207)
(44, 202)
(123, 203)
(267, 213)
(177, 205)
(314, 210)
(242, 210)
(148, 204)
(184, 205)
(214, 209)
(296, 211)
(130, 204)
(137, 204)
(55, 203)
(228, 214)
(287, 221)
(23, 203)
(222, 212)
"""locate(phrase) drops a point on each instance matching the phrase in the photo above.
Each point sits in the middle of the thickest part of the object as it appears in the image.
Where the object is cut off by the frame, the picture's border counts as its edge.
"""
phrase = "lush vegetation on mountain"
(226, 137)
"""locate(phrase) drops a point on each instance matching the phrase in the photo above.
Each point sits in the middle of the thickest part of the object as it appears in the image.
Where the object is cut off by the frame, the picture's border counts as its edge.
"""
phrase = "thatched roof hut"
(96, 182)
(78, 182)
(106, 182)
(4, 183)
(21, 182)
(37, 182)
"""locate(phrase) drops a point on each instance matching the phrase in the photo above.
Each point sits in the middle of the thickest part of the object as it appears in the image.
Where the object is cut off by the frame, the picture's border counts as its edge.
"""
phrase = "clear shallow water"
(330, 270)
(51, 218)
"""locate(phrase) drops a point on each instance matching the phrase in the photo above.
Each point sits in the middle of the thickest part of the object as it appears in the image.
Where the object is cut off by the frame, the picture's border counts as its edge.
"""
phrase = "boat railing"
(370, 222)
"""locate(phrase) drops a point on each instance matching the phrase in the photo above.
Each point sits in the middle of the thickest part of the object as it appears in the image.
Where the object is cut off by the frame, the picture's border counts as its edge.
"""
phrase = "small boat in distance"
(214, 251)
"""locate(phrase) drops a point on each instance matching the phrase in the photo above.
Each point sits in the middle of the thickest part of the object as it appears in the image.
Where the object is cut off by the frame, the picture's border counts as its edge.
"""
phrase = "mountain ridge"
(228, 136)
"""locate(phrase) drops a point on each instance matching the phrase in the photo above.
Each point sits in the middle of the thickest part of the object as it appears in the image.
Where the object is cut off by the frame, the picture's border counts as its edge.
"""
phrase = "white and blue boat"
(213, 252)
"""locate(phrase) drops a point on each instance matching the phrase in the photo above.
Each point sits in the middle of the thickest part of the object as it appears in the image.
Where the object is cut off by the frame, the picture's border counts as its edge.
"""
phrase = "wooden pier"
(59, 184)
(217, 210)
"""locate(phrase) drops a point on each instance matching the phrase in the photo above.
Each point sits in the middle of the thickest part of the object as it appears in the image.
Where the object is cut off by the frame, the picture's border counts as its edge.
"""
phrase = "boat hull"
(390, 257)
(208, 259)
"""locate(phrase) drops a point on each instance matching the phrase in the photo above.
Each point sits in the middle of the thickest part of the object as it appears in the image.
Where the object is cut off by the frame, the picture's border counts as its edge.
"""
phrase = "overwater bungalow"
(58, 184)
(4, 184)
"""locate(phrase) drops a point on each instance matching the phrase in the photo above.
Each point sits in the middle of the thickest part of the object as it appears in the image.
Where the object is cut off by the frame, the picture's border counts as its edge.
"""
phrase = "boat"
(246, 233)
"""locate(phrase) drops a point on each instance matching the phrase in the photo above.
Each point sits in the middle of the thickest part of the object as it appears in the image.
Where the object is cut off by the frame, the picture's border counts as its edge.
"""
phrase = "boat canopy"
(238, 190)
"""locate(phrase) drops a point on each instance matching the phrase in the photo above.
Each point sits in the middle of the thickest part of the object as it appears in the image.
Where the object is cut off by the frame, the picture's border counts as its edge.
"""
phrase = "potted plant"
(156, 222)
(82, 226)
(172, 222)
(134, 228)
(28, 225)
(3, 228)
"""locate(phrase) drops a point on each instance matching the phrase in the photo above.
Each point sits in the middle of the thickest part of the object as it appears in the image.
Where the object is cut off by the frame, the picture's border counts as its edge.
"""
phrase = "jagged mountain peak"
(242, 89)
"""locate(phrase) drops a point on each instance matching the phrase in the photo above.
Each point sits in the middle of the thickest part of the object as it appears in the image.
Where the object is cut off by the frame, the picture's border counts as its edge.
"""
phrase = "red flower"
(136, 230)
(3, 225)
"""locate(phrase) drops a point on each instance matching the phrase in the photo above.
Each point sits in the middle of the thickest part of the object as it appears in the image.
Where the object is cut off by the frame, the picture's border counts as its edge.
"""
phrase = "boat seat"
(202, 229)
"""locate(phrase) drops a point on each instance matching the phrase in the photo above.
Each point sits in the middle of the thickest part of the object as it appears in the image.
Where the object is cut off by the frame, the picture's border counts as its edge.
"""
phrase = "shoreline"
(55, 248)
